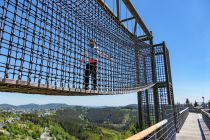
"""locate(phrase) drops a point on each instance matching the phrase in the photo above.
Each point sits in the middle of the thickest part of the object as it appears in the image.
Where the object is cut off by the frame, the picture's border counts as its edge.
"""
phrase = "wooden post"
(155, 88)
(139, 98)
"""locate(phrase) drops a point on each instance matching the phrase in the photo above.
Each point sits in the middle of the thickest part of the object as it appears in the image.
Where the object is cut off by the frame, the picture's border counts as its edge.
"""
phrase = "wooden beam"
(118, 8)
(138, 18)
(11, 85)
(135, 28)
(127, 19)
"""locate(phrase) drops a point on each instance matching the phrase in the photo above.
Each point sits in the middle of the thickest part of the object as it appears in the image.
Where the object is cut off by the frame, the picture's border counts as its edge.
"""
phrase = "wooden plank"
(19, 86)
(190, 129)
(20, 82)
(9, 81)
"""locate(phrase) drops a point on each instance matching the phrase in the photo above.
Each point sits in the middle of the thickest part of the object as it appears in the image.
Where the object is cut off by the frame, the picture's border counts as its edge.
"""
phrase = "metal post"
(170, 77)
(135, 28)
(139, 98)
(140, 112)
(166, 73)
(155, 88)
(146, 92)
(148, 113)
(169, 81)
(156, 103)
(118, 8)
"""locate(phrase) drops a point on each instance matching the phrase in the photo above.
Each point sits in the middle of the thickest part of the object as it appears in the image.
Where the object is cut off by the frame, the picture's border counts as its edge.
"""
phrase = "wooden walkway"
(19, 86)
(191, 129)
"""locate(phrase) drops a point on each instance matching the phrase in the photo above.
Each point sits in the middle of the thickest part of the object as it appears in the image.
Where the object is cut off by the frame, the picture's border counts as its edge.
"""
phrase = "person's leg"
(91, 73)
(86, 76)
(94, 73)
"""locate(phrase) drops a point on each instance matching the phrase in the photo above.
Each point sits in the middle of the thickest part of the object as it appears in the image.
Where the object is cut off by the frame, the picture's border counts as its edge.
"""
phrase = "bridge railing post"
(139, 97)
(140, 112)
(154, 78)
(169, 79)
(182, 114)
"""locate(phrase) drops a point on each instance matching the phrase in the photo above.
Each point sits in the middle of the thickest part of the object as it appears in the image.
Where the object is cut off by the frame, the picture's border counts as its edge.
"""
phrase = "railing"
(204, 123)
(194, 110)
(145, 133)
(181, 117)
(165, 129)
(206, 117)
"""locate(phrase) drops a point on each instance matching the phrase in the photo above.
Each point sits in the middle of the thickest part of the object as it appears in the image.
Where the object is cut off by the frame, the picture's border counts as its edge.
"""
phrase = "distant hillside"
(57, 106)
(131, 106)
(7, 106)
(34, 106)
(71, 122)
(91, 123)
(46, 106)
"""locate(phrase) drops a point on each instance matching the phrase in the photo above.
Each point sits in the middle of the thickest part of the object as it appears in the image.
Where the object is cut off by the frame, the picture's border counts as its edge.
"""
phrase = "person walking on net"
(92, 54)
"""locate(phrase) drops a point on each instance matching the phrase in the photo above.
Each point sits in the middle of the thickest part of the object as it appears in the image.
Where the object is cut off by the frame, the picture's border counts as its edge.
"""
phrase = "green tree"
(131, 130)
(4, 138)
(187, 102)
(195, 104)
(209, 104)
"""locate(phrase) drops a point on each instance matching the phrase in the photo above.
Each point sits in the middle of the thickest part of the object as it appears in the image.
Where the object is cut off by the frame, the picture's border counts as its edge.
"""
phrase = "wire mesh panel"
(168, 131)
(160, 69)
(164, 81)
(154, 99)
(163, 74)
(163, 96)
(145, 112)
(182, 112)
(146, 77)
(148, 109)
(205, 123)
(66, 46)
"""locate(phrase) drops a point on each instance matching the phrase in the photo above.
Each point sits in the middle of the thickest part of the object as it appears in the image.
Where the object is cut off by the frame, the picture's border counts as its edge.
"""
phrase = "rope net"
(163, 87)
(69, 46)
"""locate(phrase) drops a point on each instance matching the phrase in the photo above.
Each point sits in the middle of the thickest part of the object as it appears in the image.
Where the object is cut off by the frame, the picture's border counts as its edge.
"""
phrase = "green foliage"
(187, 102)
(25, 129)
(96, 123)
(75, 123)
(107, 115)
(195, 104)
(42, 121)
(5, 116)
(108, 134)
(2, 137)
(100, 133)
(132, 130)
(55, 129)
(209, 104)
(59, 133)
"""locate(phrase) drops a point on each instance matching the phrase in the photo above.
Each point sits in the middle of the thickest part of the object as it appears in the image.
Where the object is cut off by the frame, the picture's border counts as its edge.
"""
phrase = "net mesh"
(45, 43)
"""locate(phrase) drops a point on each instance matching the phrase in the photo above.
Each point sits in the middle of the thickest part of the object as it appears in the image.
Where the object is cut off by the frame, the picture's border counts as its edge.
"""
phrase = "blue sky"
(185, 26)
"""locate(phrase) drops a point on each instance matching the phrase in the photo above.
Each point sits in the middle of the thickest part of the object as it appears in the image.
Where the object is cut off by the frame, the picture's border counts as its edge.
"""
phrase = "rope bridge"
(45, 49)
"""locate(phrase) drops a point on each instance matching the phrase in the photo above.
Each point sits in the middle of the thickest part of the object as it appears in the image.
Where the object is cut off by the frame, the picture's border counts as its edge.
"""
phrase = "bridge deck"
(191, 129)
(10, 85)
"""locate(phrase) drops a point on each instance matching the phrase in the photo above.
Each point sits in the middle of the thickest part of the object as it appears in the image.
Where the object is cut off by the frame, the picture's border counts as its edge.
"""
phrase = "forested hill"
(34, 106)
(55, 106)
(62, 121)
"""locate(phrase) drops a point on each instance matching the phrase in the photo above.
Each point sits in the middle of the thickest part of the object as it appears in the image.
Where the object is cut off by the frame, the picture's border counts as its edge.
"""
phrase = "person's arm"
(104, 54)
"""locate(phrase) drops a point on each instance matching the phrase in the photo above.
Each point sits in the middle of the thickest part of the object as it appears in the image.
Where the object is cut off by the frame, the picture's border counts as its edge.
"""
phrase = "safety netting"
(46, 44)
